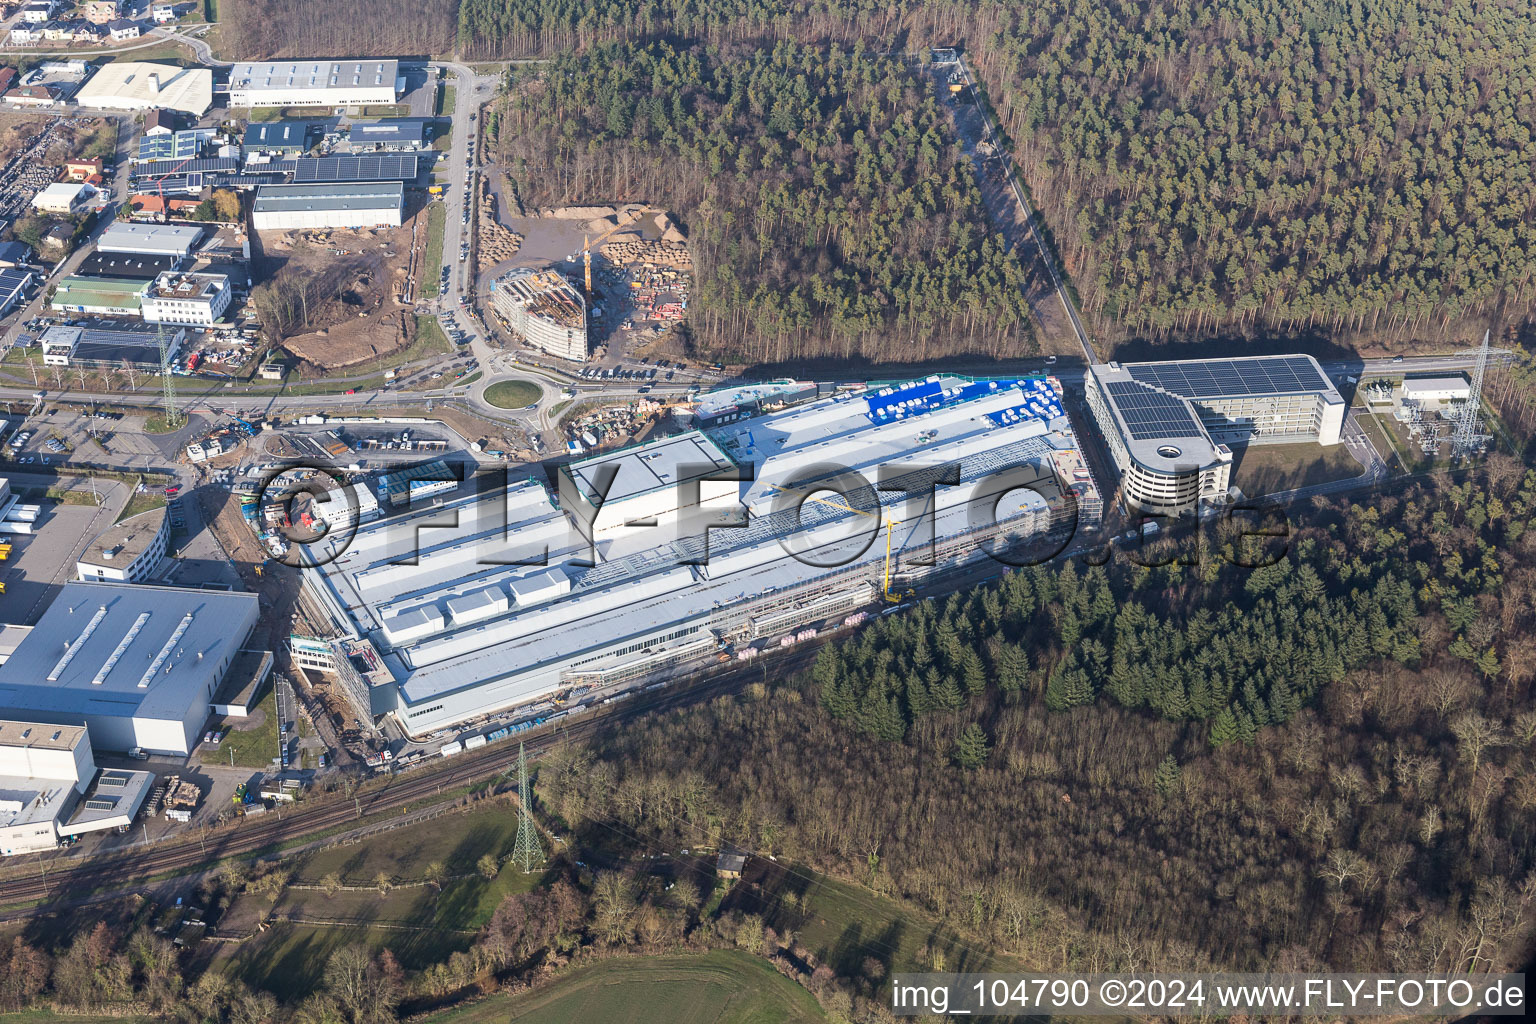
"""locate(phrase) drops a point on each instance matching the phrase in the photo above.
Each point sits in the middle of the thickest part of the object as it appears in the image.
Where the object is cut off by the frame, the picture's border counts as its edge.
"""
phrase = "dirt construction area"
(357, 301)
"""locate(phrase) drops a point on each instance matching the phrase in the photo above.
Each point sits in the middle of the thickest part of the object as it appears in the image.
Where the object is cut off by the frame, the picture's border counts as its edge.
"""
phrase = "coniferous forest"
(1253, 166)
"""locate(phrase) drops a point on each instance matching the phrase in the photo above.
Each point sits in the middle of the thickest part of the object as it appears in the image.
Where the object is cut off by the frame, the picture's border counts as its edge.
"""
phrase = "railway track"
(63, 878)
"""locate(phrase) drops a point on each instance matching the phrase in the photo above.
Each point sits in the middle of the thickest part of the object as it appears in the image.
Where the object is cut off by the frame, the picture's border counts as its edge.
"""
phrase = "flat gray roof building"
(138, 665)
(314, 83)
(284, 207)
(502, 599)
(151, 239)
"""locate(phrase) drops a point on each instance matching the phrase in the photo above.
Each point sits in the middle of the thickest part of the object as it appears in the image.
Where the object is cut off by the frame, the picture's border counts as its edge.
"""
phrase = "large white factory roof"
(137, 85)
(656, 465)
(506, 592)
(123, 650)
(166, 239)
(284, 75)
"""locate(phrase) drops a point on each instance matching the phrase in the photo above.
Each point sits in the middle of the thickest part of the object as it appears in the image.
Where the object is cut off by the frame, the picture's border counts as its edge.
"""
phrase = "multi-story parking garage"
(1169, 425)
(775, 523)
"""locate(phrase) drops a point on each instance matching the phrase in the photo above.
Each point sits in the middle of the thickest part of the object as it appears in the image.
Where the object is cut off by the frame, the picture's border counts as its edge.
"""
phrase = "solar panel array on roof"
(165, 168)
(390, 167)
(179, 183)
(271, 168)
(1150, 414)
(177, 146)
(1279, 375)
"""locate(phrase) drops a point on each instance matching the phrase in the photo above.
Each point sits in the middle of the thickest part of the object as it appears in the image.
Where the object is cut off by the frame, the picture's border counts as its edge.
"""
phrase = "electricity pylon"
(1468, 438)
(526, 850)
(167, 379)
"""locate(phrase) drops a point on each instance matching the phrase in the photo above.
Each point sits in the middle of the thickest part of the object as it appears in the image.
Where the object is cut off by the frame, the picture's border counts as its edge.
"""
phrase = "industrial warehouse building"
(1169, 425)
(298, 207)
(45, 771)
(314, 83)
(1435, 393)
(172, 240)
(139, 666)
(289, 138)
(13, 288)
(543, 308)
(529, 595)
(138, 85)
(398, 134)
(140, 266)
(64, 198)
(99, 296)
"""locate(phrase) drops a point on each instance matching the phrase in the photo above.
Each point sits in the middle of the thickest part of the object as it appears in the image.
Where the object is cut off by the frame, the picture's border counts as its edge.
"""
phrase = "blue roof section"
(895, 403)
(280, 135)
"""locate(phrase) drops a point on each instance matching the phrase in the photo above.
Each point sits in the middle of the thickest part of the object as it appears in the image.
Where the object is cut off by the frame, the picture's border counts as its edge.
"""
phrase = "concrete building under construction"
(543, 308)
(703, 545)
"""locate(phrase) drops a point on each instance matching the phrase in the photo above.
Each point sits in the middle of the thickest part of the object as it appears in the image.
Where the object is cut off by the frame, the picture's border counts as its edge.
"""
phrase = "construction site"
(348, 291)
(679, 560)
(632, 262)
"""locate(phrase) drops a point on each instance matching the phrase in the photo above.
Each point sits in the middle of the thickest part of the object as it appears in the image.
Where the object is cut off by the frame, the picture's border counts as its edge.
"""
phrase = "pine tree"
(883, 719)
(971, 748)
(837, 697)
(946, 695)
(972, 673)
(1223, 728)
(1167, 777)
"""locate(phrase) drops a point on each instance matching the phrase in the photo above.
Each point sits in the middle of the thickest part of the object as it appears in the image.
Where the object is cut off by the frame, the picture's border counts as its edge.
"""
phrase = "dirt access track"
(358, 306)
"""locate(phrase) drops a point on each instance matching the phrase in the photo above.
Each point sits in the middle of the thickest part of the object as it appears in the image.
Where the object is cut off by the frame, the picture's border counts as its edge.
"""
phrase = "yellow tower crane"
(587, 243)
(891, 522)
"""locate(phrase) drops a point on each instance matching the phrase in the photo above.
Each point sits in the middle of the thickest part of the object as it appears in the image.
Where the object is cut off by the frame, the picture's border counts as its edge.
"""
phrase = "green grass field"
(722, 987)
(420, 925)
(142, 503)
(155, 423)
(457, 842)
(288, 960)
(432, 263)
(842, 924)
(1268, 468)
(512, 394)
(255, 748)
